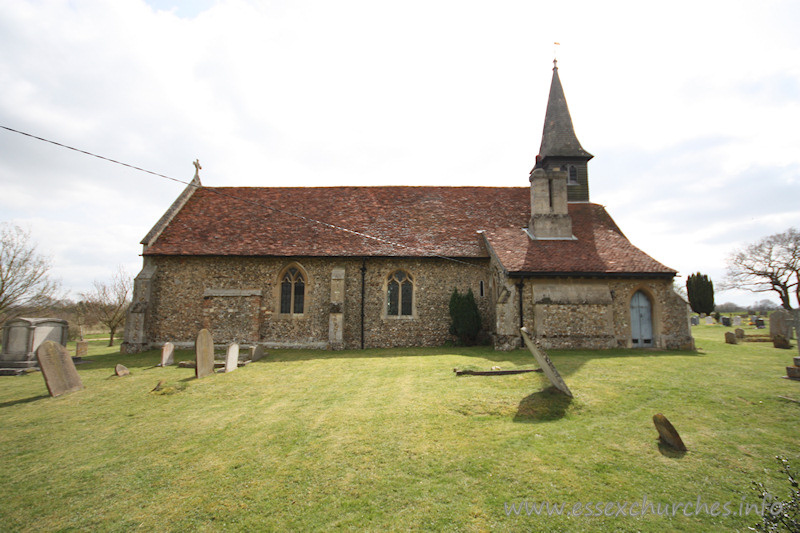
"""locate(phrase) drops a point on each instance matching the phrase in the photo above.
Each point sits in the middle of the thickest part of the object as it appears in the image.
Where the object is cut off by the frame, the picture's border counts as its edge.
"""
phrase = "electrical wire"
(248, 201)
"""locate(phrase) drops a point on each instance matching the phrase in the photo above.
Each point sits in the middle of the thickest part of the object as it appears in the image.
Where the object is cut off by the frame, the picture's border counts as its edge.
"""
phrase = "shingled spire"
(560, 148)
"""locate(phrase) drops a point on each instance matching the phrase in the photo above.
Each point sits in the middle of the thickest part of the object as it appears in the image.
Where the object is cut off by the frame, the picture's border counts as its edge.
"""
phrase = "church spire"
(560, 148)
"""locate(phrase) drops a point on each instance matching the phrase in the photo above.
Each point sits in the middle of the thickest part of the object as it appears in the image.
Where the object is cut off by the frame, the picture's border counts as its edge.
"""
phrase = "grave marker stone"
(545, 363)
(81, 348)
(760, 323)
(739, 332)
(167, 354)
(695, 320)
(58, 370)
(779, 341)
(668, 433)
(122, 370)
(737, 321)
(726, 321)
(258, 352)
(204, 354)
(709, 320)
(780, 323)
(730, 337)
(232, 359)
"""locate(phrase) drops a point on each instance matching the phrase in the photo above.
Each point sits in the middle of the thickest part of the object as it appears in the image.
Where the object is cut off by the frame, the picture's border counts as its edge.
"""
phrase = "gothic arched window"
(400, 294)
(293, 291)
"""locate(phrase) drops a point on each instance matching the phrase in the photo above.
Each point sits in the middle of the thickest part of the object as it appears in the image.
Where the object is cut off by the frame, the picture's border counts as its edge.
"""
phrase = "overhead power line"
(245, 200)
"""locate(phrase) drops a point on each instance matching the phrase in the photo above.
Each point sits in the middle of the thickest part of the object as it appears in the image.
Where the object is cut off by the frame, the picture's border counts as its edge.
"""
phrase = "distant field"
(393, 440)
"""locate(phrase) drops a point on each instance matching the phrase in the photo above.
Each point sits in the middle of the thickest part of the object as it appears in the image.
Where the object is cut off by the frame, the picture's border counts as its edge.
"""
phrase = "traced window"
(400, 294)
(573, 175)
(293, 292)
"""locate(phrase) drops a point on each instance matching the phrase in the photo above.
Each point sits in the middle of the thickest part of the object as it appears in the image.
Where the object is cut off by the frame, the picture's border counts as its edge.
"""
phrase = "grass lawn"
(393, 440)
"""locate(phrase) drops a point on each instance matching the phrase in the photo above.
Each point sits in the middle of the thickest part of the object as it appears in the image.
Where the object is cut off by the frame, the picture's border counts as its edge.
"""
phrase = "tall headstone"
(58, 370)
(167, 354)
(781, 323)
(545, 363)
(737, 321)
(81, 348)
(204, 354)
(232, 358)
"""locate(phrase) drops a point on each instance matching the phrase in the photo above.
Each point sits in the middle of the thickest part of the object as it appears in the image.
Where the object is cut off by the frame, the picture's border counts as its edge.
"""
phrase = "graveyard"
(392, 439)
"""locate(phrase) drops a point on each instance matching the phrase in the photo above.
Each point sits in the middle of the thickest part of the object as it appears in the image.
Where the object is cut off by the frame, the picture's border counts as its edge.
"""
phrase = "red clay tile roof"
(600, 248)
(426, 221)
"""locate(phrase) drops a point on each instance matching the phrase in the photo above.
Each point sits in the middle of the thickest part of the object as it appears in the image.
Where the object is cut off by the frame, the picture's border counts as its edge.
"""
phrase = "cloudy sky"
(692, 110)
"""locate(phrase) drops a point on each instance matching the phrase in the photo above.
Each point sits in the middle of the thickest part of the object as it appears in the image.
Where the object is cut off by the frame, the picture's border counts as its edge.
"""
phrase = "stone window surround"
(308, 295)
(385, 308)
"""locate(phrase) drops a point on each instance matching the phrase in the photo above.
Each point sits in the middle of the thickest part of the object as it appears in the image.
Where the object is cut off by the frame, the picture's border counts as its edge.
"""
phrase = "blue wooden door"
(641, 321)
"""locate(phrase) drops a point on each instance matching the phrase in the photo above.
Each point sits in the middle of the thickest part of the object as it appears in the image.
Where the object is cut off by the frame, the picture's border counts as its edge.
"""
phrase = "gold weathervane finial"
(555, 54)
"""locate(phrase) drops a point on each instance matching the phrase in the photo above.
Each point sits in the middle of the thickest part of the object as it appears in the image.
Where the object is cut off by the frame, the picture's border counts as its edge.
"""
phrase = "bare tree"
(108, 302)
(770, 265)
(24, 283)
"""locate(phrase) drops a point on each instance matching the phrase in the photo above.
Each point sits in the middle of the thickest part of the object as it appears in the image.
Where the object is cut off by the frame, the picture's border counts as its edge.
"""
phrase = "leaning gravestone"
(122, 370)
(167, 354)
(204, 354)
(668, 433)
(730, 337)
(739, 332)
(258, 352)
(58, 369)
(545, 363)
(232, 359)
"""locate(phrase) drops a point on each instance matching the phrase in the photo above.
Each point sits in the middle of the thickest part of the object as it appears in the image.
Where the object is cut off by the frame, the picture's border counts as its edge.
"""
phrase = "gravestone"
(58, 369)
(81, 348)
(695, 320)
(779, 341)
(204, 354)
(258, 352)
(739, 332)
(167, 354)
(737, 321)
(752, 319)
(232, 359)
(122, 370)
(668, 433)
(709, 320)
(545, 363)
(730, 337)
(781, 323)
(760, 323)
(726, 321)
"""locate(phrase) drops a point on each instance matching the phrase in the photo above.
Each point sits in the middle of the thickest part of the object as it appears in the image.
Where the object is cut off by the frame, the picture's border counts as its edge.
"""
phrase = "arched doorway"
(641, 321)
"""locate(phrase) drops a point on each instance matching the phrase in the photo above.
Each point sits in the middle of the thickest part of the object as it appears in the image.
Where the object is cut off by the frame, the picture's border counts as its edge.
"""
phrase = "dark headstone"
(58, 369)
(779, 341)
(793, 372)
(739, 332)
(695, 320)
(726, 321)
(760, 323)
(730, 337)
(121, 370)
(204, 353)
(668, 433)
(545, 363)
(796, 360)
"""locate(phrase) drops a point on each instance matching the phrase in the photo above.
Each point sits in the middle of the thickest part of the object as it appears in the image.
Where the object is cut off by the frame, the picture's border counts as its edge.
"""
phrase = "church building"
(368, 267)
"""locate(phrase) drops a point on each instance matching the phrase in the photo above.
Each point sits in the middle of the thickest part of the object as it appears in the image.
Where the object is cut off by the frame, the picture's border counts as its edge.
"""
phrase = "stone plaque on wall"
(204, 353)
(58, 370)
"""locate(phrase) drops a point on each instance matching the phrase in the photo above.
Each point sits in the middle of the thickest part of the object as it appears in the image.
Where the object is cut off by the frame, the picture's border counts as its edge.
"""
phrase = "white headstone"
(737, 321)
(232, 360)
(709, 320)
(167, 354)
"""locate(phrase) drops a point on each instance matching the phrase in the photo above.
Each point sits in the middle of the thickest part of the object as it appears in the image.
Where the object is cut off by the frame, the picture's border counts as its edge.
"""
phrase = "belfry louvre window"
(573, 175)
(293, 292)
(400, 294)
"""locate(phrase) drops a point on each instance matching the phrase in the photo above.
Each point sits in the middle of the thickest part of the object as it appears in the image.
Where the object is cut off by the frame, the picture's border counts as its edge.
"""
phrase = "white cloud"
(691, 117)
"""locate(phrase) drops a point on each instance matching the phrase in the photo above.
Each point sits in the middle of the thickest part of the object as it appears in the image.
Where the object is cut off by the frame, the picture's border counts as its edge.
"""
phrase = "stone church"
(368, 267)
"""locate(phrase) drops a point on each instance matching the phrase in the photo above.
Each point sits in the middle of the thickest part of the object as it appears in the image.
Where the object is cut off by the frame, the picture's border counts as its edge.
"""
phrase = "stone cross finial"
(197, 168)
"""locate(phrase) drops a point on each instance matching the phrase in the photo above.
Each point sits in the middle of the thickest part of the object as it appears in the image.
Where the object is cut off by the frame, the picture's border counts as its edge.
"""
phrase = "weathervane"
(555, 54)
